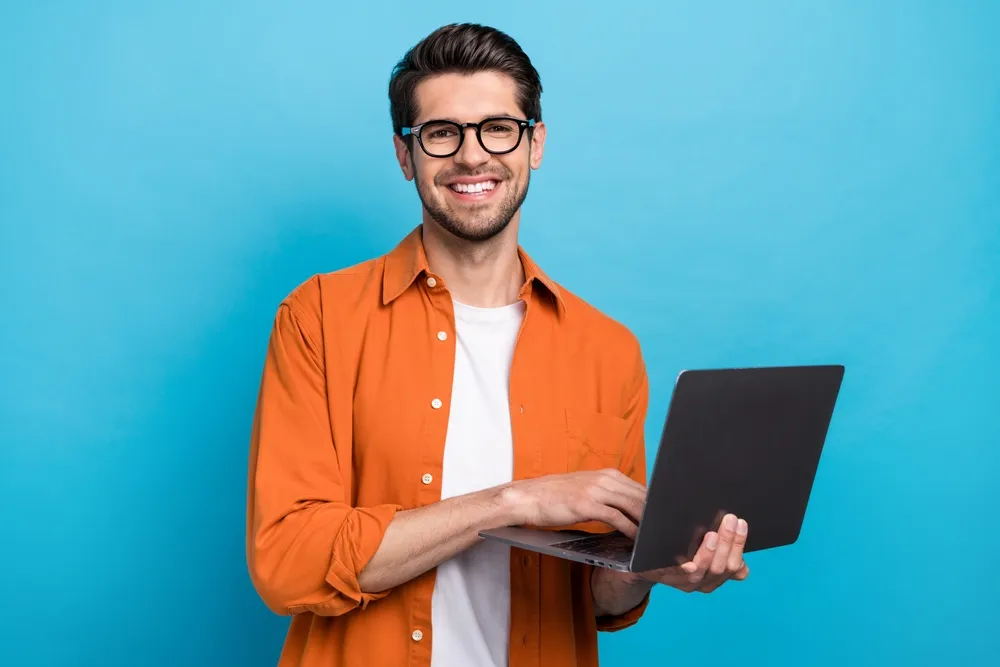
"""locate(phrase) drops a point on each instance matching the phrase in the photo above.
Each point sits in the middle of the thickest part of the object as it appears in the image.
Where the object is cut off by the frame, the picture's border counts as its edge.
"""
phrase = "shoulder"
(586, 320)
(334, 295)
(597, 338)
(608, 333)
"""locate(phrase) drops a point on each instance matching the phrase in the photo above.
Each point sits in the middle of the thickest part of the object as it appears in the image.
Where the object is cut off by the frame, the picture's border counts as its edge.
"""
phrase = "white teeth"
(474, 188)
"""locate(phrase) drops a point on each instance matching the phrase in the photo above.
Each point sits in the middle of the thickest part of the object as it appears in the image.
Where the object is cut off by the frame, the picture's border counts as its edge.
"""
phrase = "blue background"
(740, 183)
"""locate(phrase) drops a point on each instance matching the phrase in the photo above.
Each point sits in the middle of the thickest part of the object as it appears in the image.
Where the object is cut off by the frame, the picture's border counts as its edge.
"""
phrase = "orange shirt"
(350, 428)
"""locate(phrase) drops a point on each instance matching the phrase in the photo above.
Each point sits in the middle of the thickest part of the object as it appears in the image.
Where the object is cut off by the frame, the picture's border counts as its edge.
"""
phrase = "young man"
(448, 387)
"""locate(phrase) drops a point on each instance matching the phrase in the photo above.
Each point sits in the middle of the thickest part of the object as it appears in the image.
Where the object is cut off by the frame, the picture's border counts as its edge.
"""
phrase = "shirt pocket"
(595, 439)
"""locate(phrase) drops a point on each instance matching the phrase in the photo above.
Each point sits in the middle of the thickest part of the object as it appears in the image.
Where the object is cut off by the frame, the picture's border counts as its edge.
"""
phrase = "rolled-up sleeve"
(306, 544)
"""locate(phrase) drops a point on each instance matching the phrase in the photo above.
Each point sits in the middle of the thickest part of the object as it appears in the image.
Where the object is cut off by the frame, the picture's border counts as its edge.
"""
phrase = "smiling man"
(448, 387)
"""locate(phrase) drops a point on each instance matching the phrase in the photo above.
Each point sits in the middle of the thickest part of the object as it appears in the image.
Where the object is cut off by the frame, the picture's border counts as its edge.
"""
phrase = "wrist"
(505, 507)
(512, 505)
(615, 593)
(627, 579)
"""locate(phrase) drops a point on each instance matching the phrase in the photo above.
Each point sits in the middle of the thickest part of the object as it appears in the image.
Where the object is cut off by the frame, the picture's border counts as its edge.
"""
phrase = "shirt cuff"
(354, 547)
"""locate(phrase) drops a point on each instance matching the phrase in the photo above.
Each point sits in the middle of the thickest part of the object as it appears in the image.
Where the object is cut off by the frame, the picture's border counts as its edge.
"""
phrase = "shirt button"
(436, 403)
(431, 282)
(417, 635)
(442, 335)
(427, 478)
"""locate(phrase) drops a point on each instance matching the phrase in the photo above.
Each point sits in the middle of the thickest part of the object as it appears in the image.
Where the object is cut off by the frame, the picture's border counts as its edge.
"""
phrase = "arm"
(420, 539)
(306, 543)
(621, 592)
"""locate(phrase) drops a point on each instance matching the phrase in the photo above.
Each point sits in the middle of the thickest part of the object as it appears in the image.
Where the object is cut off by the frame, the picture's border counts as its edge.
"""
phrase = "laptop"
(745, 441)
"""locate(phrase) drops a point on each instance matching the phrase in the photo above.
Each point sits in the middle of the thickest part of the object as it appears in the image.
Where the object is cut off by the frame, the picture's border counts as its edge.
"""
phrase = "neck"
(486, 274)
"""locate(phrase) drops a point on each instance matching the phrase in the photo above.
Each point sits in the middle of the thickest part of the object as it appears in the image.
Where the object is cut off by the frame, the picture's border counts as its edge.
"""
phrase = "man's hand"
(719, 559)
(577, 497)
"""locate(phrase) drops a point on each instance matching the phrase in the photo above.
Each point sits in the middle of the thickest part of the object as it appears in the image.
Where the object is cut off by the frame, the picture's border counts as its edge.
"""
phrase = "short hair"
(462, 48)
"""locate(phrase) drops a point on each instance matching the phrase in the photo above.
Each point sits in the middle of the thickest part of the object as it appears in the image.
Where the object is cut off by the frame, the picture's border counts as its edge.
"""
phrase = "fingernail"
(712, 541)
(741, 527)
(730, 522)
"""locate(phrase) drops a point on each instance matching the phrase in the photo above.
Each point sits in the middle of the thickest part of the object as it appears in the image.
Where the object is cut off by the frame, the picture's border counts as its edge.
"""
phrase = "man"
(445, 388)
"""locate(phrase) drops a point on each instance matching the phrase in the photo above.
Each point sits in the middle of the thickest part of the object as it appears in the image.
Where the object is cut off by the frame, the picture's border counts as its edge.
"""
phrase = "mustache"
(499, 174)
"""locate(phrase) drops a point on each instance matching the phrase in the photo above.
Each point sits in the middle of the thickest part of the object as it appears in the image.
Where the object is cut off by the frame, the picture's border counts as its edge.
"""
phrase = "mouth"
(474, 191)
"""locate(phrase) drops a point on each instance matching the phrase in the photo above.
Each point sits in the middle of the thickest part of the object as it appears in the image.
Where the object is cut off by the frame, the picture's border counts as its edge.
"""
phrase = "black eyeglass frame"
(522, 125)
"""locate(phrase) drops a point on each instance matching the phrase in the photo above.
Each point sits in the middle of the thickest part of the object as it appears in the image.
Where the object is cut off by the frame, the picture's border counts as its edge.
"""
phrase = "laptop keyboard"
(615, 547)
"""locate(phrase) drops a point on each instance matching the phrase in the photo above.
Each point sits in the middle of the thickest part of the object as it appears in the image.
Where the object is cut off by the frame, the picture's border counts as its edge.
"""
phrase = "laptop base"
(611, 550)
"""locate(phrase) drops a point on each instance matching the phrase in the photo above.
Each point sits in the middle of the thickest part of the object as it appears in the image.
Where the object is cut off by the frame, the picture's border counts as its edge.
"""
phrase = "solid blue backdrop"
(739, 183)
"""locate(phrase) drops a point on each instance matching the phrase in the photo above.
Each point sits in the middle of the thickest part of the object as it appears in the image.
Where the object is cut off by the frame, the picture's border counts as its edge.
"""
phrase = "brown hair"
(463, 48)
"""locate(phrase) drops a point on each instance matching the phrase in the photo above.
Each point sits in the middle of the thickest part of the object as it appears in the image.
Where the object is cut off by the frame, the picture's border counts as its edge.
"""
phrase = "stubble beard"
(477, 225)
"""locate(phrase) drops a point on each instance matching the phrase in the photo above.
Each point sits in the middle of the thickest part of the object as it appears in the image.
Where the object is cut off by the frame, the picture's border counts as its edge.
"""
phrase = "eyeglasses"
(443, 138)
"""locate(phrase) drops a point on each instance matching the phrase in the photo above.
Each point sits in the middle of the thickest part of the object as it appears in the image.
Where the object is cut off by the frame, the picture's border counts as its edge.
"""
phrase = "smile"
(478, 190)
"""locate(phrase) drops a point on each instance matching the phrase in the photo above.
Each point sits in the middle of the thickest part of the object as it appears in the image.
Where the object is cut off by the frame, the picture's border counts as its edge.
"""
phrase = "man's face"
(473, 194)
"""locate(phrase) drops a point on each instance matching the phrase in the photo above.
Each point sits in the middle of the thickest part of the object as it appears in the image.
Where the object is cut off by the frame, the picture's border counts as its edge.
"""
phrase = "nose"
(471, 154)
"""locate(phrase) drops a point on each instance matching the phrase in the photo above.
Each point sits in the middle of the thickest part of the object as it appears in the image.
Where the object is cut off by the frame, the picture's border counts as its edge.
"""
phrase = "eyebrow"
(501, 114)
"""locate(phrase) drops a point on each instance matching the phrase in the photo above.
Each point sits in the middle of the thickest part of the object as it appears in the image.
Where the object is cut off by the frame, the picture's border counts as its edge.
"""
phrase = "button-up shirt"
(350, 428)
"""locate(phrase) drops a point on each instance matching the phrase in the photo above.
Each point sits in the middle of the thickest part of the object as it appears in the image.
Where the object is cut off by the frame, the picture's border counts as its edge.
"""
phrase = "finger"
(735, 563)
(713, 584)
(615, 475)
(613, 518)
(698, 566)
(727, 533)
(623, 484)
(621, 499)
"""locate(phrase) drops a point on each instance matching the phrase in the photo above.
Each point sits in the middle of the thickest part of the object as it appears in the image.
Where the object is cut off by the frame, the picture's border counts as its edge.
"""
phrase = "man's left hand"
(719, 559)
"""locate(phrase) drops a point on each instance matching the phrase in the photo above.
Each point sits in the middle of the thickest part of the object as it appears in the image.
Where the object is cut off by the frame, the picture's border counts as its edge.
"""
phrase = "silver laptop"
(745, 441)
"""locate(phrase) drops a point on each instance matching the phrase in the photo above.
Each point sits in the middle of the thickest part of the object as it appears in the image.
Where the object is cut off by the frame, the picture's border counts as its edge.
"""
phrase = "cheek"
(519, 174)
(518, 163)
(427, 173)
(424, 177)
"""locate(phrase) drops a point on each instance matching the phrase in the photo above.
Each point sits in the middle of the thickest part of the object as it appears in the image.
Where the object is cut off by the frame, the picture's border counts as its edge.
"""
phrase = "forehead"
(466, 97)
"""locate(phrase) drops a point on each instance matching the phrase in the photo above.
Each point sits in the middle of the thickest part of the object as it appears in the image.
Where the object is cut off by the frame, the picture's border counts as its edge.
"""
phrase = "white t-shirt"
(470, 607)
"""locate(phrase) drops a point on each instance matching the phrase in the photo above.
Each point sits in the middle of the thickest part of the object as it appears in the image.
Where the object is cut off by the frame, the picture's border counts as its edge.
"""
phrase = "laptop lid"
(746, 441)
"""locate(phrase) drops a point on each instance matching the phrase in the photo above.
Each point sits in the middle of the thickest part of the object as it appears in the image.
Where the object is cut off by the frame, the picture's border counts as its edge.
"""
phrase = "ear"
(537, 148)
(403, 156)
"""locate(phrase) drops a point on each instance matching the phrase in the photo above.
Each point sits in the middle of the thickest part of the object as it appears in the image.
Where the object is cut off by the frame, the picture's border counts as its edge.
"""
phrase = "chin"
(473, 231)
(475, 223)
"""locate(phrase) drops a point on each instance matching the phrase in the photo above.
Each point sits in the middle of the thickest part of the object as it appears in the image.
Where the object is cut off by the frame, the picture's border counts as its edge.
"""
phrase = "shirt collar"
(407, 261)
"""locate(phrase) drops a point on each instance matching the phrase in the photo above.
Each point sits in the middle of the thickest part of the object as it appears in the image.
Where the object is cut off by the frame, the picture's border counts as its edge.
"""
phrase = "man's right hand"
(607, 496)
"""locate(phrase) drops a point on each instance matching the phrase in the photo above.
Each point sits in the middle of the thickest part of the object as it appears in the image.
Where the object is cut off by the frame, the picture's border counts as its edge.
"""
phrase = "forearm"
(420, 539)
(615, 593)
